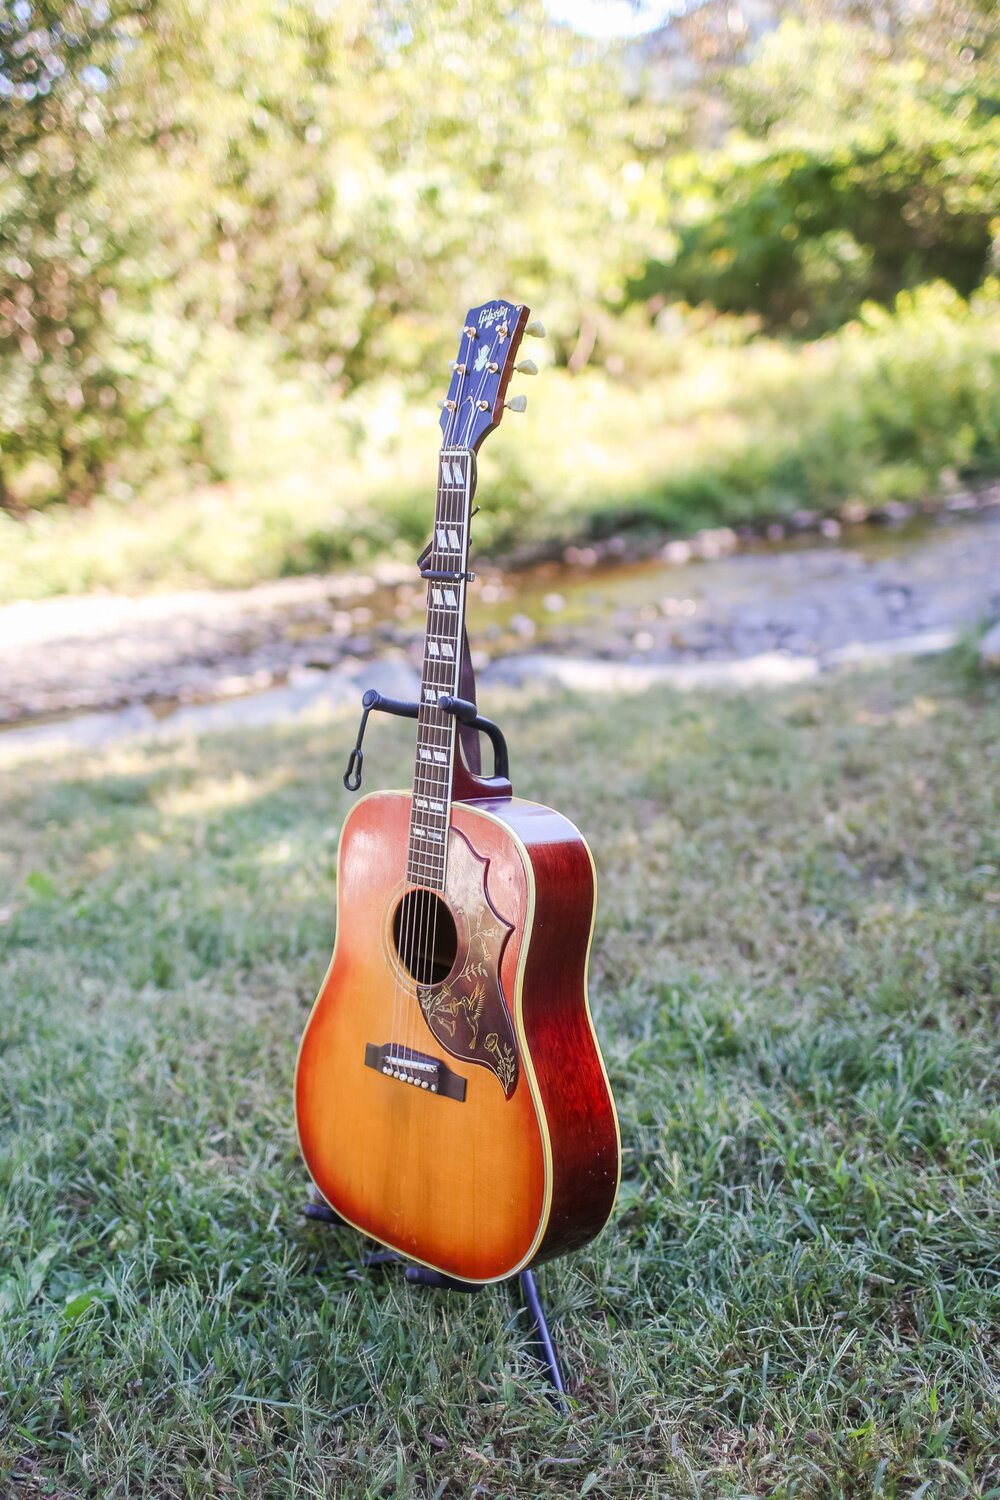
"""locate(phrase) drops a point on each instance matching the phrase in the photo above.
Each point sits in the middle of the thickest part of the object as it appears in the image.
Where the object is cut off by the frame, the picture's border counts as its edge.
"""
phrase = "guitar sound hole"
(426, 939)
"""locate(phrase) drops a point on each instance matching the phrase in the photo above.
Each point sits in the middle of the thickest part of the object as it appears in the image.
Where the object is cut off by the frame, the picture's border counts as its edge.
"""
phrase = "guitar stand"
(463, 709)
(424, 1276)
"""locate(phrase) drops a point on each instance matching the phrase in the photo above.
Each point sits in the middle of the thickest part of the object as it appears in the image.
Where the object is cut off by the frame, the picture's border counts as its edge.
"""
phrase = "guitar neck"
(447, 564)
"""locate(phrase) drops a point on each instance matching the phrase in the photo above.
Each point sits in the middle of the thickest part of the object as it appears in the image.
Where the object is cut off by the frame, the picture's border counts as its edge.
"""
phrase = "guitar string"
(462, 499)
(410, 923)
(426, 783)
(427, 906)
(458, 504)
(422, 914)
(410, 895)
(424, 903)
(453, 505)
(428, 733)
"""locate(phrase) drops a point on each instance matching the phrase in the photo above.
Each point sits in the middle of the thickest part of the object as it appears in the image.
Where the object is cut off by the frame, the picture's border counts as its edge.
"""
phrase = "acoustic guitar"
(450, 1095)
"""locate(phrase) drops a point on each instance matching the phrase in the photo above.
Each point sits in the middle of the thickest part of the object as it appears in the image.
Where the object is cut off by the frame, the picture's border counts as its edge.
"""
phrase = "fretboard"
(427, 851)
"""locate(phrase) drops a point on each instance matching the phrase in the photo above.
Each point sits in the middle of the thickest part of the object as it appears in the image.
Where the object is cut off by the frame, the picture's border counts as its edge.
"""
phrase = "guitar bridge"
(415, 1068)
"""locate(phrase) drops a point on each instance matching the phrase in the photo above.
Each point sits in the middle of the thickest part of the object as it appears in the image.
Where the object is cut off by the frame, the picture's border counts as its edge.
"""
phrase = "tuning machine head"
(481, 370)
(535, 330)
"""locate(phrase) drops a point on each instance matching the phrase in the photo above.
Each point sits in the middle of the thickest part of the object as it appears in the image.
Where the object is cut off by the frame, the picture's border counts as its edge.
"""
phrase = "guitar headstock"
(481, 373)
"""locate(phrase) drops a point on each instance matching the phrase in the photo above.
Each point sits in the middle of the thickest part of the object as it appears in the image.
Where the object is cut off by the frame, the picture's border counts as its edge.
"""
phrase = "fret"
(430, 851)
(430, 812)
(429, 817)
(437, 756)
(430, 856)
(428, 865)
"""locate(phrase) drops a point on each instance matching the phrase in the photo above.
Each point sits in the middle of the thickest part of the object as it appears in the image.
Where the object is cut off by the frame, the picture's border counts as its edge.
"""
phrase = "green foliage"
(877, 412)
(860, 172)
(66, 239)
(233, 234)
(324, 185)
(732, 428)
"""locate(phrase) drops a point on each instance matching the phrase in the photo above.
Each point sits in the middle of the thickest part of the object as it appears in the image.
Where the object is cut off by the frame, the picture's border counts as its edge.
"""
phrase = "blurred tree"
(199, 193)
(64, 240)
(337, 180)
(348, 175)
(864, 161)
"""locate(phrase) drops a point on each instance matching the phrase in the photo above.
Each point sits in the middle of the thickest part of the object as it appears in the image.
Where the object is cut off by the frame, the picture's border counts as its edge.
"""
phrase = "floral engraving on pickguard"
(482, 943)
(447, 1008)
(467, 1012)
(503, 1060)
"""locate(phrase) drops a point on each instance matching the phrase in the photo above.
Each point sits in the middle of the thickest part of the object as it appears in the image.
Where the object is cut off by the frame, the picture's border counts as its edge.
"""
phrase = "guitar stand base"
(424, 1276)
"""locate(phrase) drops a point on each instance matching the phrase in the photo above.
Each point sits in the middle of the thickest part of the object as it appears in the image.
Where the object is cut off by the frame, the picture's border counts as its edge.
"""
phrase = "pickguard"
(467, 1012)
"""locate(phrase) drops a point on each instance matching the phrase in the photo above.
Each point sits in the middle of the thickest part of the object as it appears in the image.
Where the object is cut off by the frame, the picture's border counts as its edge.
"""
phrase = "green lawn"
(796, 977)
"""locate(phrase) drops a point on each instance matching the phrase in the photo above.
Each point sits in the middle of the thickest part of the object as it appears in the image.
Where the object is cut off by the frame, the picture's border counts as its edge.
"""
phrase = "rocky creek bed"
(688, 610)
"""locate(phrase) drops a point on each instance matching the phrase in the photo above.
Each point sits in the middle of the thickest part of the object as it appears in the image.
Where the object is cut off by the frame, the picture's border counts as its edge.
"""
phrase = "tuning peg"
(446, 405)
(517, 403)
(535, 330)
(527, 367)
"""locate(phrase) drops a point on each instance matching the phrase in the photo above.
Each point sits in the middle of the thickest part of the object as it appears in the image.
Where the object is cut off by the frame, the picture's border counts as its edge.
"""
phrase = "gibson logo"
(489, 315)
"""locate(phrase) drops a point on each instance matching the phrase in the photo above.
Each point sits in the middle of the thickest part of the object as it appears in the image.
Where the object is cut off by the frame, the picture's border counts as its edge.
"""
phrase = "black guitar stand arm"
(424, 1276)
(464, 711)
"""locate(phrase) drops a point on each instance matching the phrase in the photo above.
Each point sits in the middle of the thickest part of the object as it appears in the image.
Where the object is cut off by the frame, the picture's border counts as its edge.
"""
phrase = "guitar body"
(451, 1098)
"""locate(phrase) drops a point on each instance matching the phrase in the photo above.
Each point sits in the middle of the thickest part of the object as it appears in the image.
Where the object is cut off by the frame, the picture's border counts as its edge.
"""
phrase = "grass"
(704, 425)
(797, 980)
